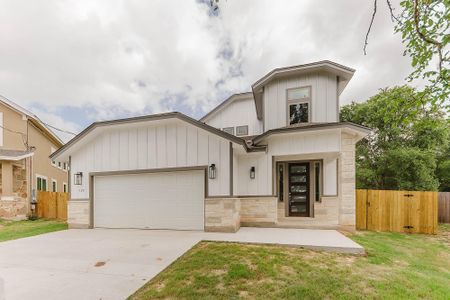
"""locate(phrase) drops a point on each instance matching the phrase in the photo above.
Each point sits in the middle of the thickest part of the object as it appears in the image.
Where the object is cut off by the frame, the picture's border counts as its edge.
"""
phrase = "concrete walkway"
(112, 264)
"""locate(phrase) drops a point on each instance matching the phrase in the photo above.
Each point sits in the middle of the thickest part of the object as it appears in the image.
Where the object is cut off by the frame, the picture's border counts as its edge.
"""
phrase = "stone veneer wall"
(258, 211)
(347, 177)
(17, 207)
(222, 214)
(327, 211)
(78, 213)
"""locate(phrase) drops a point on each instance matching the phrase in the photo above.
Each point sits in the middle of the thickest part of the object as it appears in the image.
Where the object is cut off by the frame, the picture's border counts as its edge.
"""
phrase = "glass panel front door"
(298, 177)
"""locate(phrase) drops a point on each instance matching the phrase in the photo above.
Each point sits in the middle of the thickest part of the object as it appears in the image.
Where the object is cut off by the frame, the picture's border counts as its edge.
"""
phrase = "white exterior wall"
(151, 145)
(324, 102)
(238, 113)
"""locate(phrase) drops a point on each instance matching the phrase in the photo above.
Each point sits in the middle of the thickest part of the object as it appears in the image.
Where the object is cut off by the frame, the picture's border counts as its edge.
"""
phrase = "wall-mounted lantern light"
(212, 171)
(78, 178)
(252, 173)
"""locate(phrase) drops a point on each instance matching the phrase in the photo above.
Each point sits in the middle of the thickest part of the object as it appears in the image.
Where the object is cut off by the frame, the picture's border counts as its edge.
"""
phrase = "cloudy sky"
(75, 62)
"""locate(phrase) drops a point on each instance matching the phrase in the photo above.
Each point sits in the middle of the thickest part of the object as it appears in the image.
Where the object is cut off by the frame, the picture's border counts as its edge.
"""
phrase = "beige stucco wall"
(41, 162)
(14, 121)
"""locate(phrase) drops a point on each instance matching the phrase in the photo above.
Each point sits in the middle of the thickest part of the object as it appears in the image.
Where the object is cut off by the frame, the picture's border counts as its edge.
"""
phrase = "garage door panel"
(155, 200)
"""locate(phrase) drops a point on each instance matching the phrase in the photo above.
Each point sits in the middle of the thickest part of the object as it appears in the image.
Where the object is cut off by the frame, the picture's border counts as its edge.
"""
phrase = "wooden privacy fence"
(399, 211)
(444, 207)
(52, 205)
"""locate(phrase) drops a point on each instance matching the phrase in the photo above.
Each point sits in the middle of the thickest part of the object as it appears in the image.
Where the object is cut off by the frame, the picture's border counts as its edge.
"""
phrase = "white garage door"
(167, 200)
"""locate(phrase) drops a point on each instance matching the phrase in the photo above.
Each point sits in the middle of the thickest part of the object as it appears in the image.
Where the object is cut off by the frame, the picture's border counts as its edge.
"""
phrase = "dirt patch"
(100, 264)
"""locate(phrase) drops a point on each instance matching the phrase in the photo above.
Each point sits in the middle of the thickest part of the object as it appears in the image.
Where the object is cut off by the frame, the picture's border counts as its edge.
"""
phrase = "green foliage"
(443, 173)
(410, 138)
(425, 29)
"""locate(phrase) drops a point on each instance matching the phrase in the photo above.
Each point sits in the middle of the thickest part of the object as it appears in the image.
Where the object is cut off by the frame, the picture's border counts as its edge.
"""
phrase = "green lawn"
(397, 266)
(11, 230)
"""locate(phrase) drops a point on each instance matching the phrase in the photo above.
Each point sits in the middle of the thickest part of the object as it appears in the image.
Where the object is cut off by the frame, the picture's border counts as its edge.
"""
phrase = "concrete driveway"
(112, 264)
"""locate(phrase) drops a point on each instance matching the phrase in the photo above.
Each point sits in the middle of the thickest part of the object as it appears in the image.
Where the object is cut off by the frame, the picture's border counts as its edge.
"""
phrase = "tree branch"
(370, 26)
(391, 10)
(423, 36)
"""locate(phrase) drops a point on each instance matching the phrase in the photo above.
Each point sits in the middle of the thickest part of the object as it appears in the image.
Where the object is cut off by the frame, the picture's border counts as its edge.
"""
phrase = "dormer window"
(298, 105)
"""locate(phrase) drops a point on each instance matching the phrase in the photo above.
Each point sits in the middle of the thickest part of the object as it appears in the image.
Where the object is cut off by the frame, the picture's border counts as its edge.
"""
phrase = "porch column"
(7, 179)
(347, 207)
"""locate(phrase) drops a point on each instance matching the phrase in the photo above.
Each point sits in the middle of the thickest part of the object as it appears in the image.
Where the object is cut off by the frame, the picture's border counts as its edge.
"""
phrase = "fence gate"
(399, 211)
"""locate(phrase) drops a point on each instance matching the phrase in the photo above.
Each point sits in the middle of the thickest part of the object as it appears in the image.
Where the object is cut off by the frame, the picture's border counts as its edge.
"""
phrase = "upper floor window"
(298, 105)
(229, 130)
(241, 130)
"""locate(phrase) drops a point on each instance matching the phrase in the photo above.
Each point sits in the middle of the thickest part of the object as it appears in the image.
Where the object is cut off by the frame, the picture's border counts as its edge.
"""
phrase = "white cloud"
(122, 57)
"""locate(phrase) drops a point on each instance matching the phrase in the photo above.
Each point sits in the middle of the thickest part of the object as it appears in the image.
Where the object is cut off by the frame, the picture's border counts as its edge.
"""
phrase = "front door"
(298, 189)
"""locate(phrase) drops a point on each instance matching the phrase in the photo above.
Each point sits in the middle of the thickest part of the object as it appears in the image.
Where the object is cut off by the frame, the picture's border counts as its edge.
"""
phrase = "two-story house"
(25, 145)
(276, 156)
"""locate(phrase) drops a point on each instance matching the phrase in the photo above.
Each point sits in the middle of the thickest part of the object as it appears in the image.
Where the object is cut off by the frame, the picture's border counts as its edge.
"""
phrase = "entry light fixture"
(252, 173)
(78, 178)
(212, 171)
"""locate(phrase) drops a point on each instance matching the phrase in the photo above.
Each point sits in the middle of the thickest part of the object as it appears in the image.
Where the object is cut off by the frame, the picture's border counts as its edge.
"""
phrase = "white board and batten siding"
(153, 145)
(240, 112)
(324, 98)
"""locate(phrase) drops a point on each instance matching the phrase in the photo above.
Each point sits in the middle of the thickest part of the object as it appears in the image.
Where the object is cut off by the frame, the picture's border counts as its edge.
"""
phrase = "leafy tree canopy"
(409, 146)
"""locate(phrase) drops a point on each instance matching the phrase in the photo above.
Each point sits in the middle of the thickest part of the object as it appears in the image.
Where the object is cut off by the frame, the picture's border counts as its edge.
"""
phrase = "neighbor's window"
(242, 130)
(229, 130)
(54, 186)
(64, 187)
(298, 105)
(41, 184)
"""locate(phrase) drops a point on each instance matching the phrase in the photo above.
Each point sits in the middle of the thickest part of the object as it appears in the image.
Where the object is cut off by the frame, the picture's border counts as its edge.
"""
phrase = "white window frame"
(46, 182)
(232, 130)
(290, 102)
(242, 126)
(56, 185)
(65, 187)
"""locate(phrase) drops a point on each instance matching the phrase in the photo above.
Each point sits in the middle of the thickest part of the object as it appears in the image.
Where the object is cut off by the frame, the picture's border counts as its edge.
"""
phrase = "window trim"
(56, 185)
(246, 132)
(46, 182)
(299, 101)
(232, 129)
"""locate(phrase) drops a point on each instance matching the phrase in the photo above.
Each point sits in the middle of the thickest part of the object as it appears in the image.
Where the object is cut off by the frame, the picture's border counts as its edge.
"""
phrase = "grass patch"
(11, 230)
(397, 266)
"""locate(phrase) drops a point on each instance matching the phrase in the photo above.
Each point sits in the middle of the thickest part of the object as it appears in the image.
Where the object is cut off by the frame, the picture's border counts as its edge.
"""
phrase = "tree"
(409, 143)
(425, 29)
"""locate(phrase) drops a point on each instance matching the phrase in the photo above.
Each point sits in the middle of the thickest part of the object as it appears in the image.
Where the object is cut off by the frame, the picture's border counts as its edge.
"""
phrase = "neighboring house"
(277, 156)
(25, 145)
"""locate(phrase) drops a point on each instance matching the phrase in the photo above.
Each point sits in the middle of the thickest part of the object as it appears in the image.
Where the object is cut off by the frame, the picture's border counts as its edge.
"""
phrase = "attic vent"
(249, 142)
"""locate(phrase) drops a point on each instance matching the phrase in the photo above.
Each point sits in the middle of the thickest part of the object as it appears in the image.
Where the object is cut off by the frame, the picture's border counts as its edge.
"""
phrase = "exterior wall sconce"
(252, 173)
(212, 171)
(78, 178)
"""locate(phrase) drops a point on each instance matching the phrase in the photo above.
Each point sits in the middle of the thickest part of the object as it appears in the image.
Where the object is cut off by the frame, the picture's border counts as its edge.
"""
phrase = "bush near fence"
(52, 205)
(397, 211)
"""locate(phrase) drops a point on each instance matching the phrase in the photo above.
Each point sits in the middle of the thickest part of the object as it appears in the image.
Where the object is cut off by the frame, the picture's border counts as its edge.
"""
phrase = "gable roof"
(33, 118)
(344, 75)
(163, 116)
(228, 101)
